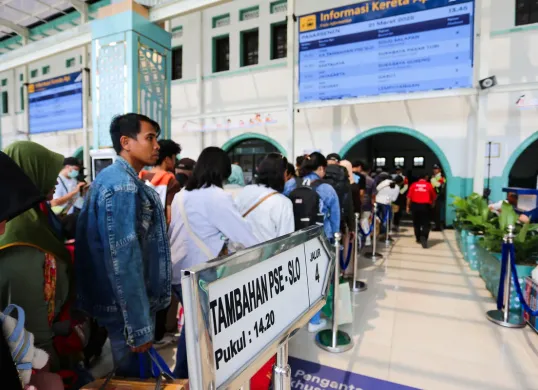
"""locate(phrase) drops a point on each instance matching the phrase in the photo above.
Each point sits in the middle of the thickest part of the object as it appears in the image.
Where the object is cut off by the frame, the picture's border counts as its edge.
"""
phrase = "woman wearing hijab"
(235, 182)
(34, 263)
(19, 194)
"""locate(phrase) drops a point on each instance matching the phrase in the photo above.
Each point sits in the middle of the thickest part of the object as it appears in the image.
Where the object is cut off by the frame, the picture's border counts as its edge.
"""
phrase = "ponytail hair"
(311, 163)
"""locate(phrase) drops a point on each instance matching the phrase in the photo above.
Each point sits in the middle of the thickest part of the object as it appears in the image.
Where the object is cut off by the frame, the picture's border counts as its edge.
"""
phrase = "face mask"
(356, 178)
(73, 174)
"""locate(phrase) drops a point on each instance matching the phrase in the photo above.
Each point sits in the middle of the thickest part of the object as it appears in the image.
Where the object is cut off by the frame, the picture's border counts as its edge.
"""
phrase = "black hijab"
(17, 192)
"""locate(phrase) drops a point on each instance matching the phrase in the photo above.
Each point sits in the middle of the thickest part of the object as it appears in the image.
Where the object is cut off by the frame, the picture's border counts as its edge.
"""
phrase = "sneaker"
(424, 242)
(368, 242)
(312, 328)
(417, 241)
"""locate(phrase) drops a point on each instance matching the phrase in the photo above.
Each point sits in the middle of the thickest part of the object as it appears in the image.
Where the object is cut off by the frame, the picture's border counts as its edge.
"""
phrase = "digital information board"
(380, 47)
(56, 104)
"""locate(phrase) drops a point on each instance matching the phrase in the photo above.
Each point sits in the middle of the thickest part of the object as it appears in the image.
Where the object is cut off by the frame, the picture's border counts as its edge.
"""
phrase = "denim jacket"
(123, 262)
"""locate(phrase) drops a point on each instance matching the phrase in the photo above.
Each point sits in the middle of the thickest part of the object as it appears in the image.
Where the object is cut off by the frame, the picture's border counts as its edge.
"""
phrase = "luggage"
(306, 204)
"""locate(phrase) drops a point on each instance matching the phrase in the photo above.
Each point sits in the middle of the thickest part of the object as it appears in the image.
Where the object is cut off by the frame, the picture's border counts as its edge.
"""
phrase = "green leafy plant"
(473, 214)
(525, 236)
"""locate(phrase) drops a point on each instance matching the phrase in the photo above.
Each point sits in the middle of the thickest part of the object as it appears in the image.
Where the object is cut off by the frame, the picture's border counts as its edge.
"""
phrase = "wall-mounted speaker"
(488, 82)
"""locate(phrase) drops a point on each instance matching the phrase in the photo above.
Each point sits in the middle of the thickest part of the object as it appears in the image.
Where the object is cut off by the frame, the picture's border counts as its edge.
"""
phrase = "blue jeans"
(127, 363)
(181, 371)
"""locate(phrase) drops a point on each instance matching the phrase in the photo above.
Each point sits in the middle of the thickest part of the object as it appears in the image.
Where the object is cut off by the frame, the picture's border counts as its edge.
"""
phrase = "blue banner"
(309, 375)
(56, 104)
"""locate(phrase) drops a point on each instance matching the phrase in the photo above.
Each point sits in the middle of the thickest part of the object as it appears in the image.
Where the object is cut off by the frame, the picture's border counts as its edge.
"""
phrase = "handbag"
(345, 309)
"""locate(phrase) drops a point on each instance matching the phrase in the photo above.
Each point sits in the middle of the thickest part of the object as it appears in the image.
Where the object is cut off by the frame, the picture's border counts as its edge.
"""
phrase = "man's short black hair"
(71, 161)
(299, 160)
(362, 164)
(168, 148)
(128, 125)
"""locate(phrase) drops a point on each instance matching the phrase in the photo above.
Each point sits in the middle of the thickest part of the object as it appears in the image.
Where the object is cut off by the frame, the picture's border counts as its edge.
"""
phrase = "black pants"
(421, 219)
(438, 213)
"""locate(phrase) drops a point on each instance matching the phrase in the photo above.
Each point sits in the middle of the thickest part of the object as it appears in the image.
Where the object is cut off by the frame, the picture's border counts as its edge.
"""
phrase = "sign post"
(241, 310)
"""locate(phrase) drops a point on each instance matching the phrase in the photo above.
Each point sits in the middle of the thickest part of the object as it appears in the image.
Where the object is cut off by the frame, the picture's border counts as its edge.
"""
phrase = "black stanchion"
(502, 316)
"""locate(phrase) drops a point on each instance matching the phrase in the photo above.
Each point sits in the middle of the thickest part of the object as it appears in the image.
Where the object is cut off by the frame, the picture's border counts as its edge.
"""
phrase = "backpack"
(306, 204)
(337, 176)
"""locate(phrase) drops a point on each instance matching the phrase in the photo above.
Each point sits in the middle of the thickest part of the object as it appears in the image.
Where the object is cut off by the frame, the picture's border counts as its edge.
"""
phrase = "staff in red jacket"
(420, 199)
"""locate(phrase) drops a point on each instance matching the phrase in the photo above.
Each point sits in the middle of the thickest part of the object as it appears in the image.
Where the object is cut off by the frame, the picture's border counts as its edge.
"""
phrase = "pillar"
(131, 69)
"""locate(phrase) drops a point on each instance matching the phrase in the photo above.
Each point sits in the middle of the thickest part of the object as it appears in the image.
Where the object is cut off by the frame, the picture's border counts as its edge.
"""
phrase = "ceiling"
(30, 13)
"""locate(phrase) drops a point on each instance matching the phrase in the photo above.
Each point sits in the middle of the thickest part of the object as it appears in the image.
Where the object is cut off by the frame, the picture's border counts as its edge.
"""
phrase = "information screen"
(379, 47)
(56, 104)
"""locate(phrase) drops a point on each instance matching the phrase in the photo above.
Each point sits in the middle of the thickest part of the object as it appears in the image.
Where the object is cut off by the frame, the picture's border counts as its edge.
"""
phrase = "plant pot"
(463, 248)
(471, 252)
(491, 273)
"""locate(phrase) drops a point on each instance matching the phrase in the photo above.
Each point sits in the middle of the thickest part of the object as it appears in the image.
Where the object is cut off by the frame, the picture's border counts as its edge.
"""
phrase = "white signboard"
(252, 307)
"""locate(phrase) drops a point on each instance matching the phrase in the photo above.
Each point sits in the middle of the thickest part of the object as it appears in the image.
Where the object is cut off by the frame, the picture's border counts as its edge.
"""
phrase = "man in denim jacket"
(123, 265)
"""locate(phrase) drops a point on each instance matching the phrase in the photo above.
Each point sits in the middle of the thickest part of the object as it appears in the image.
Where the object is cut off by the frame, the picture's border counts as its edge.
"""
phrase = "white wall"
(245, 90)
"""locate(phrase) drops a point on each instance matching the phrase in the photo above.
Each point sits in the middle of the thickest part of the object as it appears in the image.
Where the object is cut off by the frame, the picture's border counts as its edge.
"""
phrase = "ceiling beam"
(47, 47)
(19, 30)
(82, 8)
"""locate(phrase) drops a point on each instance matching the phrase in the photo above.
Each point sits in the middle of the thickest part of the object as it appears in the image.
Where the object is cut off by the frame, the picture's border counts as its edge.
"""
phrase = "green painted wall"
(246, 136)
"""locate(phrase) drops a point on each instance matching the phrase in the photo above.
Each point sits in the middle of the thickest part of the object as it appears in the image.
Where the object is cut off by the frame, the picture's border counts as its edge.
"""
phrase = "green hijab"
(32, 228)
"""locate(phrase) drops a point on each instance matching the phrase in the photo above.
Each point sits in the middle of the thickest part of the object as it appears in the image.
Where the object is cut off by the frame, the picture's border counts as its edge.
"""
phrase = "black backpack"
(306, 204)
(337, 176)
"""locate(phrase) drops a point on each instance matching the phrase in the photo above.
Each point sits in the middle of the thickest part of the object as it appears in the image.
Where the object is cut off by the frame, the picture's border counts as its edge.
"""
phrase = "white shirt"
(233, 189)
(270, 219)
(213, 218)
(385, 194)
(63, 187)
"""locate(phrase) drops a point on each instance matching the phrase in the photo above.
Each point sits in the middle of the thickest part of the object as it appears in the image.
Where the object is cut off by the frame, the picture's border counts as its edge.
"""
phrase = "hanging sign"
(262, 300)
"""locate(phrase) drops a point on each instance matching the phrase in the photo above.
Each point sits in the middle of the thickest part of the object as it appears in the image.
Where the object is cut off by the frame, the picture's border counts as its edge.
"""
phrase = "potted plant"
(525, 245)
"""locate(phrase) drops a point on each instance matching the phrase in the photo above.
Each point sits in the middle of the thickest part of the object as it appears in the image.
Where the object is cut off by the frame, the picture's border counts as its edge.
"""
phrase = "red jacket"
(422, 192)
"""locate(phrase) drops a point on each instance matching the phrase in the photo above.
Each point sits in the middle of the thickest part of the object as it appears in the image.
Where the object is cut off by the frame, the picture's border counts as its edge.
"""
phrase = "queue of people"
(147, 217)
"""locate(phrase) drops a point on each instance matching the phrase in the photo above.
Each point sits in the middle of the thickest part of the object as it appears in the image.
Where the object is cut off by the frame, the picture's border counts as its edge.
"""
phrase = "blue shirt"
(123, 263)
(329, 203)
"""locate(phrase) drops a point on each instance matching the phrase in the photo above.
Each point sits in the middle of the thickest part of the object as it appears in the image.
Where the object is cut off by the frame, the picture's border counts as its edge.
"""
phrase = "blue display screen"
(56, 104)
(379, 47)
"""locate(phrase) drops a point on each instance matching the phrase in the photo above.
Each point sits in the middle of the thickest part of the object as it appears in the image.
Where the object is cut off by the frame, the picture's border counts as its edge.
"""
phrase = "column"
(131, 69)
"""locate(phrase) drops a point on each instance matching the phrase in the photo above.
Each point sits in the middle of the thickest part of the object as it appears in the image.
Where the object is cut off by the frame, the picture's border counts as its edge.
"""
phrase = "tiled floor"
(422, 323)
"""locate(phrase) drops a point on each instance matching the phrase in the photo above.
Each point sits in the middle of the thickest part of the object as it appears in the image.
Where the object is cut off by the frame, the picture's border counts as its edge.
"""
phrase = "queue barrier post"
(357, 284)
(334, 340)
(503, 316)
(373, 254)
(282, 370)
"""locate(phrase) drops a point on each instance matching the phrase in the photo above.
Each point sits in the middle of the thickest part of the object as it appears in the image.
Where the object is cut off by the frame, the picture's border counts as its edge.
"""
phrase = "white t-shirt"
(64, 187)
(385, 194)
(270, 219)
